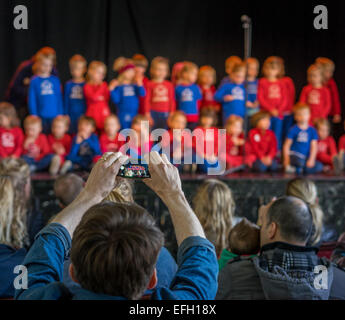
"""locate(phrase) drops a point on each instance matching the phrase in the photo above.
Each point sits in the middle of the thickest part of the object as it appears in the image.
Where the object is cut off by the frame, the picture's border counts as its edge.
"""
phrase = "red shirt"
(11, 142)
(342, 143)
(97, 101)
(335, 100)
(142, 99)
(108, 145)
(160, 97)
(207, 144)
(291, 92)
(261, 144)
(327, 149)
(37, 150)
(208, 98)
(65, 142)
(273, 96)
(231, 149)
(319, 100)
(168, 142)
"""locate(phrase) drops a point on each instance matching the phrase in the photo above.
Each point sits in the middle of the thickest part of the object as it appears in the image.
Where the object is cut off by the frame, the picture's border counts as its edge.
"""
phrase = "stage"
(250, 191)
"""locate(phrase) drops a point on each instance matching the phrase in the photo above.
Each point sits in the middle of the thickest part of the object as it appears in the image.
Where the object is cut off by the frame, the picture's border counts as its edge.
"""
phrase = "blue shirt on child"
(126, 98)
(45, 97)
(252, 90)
(235, 107)
(75, 104)
(187, 98)
(301, 141)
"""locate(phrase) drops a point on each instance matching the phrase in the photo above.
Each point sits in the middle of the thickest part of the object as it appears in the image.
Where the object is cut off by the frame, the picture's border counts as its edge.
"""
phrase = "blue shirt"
(75, 104)
(187, 98)
(225, 80)
(196, 277)
(301, 141)
(9, 259)
(84, 152)
(235, 107)
(252, 91)
(45, 97)
(126, 98)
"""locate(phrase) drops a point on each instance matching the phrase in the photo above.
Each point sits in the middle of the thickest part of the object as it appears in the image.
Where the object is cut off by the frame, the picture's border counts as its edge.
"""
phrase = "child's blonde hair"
(187, 67)
(300, 106)
(77, 58)
(119, 65)
(325, 63)
(322, 122)
(43, 56)
(257, 117)
(94, 65)
(231, 62)
(175, 114)
(239, 67)
(46, 52)
(214, 205)
(160, 60)
(306, 190)
(317, 68)
(140, 60)
(32, 120)
(274, 62)
(9, 111)
(14, 176)
(205, 69)
(112, 116)
(64, 119)
(252, 60)
(233, 119)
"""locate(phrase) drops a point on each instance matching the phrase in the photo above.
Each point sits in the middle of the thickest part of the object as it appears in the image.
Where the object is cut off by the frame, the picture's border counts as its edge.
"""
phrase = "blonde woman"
(14, 219)
(306, 190)
(214, 206)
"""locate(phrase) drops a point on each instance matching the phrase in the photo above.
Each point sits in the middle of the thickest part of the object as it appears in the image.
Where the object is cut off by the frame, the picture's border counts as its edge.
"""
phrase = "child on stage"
(235, 143)
(262, 145)
(252, 105)
(160, 94)
(60, 143)
(316, 95)
(45, 96)
(97, 94)
(36, 149)
(111, 140)
(232, 95)
(85, 147)
(300, 148)
(188, 94)
(126, 93)
(327, 148)
(11, 135)
(273, 95)
(206, 144)
(206, 82)
(75, 104)
(328, 68)
(229, 65)
(141, 65)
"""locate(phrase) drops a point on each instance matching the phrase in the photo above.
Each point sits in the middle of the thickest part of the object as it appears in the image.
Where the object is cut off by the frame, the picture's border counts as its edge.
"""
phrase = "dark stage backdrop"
(206, 32)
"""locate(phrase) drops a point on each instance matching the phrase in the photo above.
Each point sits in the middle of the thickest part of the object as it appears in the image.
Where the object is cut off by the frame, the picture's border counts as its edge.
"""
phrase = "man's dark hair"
(67, 188)
(115, 249)
(293, 218)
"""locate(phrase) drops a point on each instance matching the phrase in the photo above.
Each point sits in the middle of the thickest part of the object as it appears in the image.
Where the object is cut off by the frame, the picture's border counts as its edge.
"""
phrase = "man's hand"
(102, 179)
(165, 179)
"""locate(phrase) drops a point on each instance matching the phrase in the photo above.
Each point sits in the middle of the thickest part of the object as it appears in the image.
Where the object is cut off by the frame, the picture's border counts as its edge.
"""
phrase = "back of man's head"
(67, 188)
(293, 219)
(115, 249)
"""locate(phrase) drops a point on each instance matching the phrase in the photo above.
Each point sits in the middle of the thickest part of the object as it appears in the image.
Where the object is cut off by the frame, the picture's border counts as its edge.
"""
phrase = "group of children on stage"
(70, 129)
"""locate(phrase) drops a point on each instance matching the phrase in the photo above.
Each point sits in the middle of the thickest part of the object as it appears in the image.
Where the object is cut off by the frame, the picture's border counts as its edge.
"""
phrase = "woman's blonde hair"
(306, 190)
(122, 193)
(214, 205)
(14, 175)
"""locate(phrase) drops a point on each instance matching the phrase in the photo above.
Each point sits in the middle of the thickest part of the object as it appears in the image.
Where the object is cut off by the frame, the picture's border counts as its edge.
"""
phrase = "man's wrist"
(90, 199)
(170, 198)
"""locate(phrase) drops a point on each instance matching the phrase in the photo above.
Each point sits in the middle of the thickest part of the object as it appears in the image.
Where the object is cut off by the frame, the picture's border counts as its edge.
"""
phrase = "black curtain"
(206, 32)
